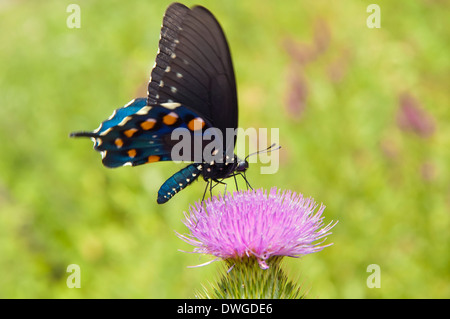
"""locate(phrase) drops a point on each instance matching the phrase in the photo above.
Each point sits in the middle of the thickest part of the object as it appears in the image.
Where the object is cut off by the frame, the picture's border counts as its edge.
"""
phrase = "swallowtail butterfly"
(192, 87)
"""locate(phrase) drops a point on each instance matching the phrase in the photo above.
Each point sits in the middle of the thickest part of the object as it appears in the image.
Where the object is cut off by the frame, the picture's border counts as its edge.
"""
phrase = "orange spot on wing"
(170, 118)
(130, 132)
(148, 124)
(132, 153)
(153, 158)
(196, 124)
(118, 142)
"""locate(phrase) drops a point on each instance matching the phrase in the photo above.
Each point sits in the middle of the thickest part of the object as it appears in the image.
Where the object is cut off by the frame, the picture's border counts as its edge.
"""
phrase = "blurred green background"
(364, 125)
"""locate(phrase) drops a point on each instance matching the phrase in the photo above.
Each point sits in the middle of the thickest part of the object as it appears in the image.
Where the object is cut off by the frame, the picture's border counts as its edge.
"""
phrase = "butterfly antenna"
(267, 150)
(244, 175)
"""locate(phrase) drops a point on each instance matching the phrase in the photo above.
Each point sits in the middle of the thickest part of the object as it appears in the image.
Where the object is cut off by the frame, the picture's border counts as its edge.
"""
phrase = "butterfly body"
(192, 89)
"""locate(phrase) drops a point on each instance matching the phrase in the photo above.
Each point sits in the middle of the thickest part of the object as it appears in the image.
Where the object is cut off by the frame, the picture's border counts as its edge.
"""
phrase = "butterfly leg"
(220, 182)
(209, 184)
(225, 190)
(235, 182)
(210, 189)
(246, 181)
(206, 188)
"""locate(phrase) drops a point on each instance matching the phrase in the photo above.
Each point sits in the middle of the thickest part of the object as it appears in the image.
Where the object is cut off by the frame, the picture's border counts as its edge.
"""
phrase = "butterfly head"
(241, 166)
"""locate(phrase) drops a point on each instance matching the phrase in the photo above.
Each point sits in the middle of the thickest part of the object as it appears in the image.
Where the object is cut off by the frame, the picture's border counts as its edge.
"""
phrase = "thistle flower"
(252, 231)
(254, 223)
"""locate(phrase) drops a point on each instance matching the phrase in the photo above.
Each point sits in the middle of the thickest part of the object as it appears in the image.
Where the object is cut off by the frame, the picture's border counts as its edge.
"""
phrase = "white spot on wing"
(127, 105)
(105, 132)
(124, 121)
(144, 110)
(170, 105)
(98, 128)
(115, 111)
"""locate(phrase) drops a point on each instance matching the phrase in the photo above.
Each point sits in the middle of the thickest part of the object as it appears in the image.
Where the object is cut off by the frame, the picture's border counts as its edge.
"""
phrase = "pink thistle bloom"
(254, 223)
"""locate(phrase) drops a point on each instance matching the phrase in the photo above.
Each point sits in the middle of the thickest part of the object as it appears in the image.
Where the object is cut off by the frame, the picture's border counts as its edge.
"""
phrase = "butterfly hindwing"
(139, 133)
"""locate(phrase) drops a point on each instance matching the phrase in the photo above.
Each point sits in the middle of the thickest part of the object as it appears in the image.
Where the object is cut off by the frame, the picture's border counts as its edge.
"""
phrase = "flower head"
(256, 224)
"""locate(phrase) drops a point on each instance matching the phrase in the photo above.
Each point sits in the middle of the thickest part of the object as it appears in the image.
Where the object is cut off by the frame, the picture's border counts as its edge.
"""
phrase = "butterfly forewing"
(194, 67)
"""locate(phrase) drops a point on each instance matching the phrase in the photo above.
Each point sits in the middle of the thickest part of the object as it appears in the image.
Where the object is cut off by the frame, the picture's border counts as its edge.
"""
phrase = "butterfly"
(192, 89)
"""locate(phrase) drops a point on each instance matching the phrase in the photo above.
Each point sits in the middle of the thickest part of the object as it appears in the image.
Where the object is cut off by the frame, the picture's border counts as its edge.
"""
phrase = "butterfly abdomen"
(178, 181)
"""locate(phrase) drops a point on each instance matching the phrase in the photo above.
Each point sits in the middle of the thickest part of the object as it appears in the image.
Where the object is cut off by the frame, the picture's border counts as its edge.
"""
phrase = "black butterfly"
(192, 87)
